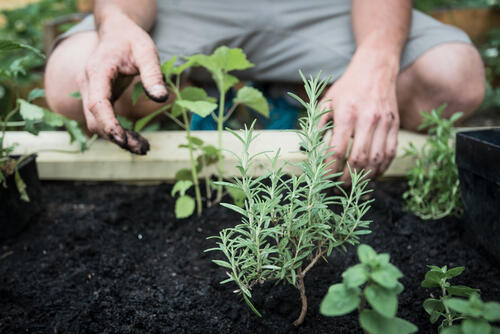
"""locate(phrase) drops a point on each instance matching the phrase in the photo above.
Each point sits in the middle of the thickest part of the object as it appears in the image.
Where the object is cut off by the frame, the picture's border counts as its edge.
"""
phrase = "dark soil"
(110, 258)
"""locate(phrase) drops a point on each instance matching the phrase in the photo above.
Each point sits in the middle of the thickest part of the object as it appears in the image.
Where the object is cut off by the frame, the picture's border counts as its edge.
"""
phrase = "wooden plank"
(105, 161)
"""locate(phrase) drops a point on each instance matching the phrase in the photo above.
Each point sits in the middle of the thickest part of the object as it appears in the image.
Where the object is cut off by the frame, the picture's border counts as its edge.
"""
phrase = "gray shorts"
(279, 36)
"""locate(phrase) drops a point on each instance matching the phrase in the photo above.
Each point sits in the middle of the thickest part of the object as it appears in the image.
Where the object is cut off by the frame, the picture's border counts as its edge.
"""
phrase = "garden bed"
(111, 258)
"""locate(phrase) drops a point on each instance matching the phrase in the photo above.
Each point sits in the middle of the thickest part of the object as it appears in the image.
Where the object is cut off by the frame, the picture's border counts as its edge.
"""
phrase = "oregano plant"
(288, 223)
(458, 315)
(434, 190)
(381, 289)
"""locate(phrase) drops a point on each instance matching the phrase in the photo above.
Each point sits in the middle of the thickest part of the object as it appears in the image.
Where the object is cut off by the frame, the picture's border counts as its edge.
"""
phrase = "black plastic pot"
(478, 161)
(14, 212)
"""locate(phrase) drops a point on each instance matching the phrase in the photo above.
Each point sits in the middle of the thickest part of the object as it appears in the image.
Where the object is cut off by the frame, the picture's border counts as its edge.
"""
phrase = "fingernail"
(158, 91)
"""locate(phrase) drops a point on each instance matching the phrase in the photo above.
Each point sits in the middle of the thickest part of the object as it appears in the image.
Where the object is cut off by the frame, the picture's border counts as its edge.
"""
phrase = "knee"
(454, 74)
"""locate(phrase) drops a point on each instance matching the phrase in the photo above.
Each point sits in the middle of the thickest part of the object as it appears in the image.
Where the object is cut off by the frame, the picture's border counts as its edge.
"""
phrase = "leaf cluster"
(287, 221)
(474, 314)
(381, 291)
(434, 190)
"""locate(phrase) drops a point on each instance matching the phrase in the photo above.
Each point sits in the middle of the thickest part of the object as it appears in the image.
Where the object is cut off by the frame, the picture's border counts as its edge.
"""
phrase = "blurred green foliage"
(428, 5)
(25, 25)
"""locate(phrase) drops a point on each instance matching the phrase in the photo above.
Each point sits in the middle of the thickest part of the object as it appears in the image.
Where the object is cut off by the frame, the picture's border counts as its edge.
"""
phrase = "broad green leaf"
(168, 66)
(52, 119)
(458, 305)
(252, 98)
(228, 59)
(384, 301)
(475, 326)
(374, 323)
(35, 94)
(355, 276)
(30, 112)
(181, 187)
(433, 307)
(433, 279)
(237, 195)
(195, 141)
(339, 301)
(76, 133)
(191, 93)
(184, 206)
(461, 290)
(201, 108)
(229, 81)
(136, 93)
(184, 174)
(454, 272)
(384, 278)
(366, 253)
(495, 330)
(9, 45)
(451, 330)
(21, 186)
(491, 311)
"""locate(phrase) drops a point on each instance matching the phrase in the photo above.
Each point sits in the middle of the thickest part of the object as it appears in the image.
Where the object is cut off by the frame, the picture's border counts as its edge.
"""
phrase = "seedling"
(473, 313)
(433, 182)
(381, 291)
(196, 100)
(287, 222)
(32, 116)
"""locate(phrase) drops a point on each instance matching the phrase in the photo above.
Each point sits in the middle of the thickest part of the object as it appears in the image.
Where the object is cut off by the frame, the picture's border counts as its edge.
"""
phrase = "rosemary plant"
(287, 222)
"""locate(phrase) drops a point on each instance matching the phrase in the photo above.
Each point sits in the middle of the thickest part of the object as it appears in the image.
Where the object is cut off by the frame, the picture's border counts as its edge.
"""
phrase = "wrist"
(378, 60)
(108, 19)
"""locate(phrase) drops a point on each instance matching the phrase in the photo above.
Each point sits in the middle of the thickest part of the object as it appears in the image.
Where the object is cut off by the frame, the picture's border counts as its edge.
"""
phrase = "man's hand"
(365, 108)
(124, 50)
(364, 99)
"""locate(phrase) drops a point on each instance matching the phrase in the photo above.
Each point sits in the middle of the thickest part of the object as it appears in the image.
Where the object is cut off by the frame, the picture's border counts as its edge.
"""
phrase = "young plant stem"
(303, 299)
(448, 313)
(194, 173)
(220, 125)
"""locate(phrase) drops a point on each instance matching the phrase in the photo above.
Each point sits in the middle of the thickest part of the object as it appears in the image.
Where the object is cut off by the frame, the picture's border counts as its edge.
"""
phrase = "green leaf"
(30, 112)
(136, 93)
(433, 307)
(384, 301)
(201, 108)
(184, 207)
(184, 174)
(461, 290)
(21, 186)
(433, 279)
(374, 323)
(491, 311)
(168, 66)
(237, 195)
(458, 305)
(52, 119)
(454, 272)
(339, 301)
(451, 330)
(181, 187)
(231, 59)
(475, 326)
(252, 98)
(35, 94)
(384, 278)
(76, 94)
(76, 133)
(366, 253)
(195, 141)
(9, 45)
(355, 276)
(222, 263)
(229, 81)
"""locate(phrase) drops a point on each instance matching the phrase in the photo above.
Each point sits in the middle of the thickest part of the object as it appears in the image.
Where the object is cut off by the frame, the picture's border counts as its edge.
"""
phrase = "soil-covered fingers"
(391, 145)
(148, 64)
(378, 157)
(366, 124)
(339, 144)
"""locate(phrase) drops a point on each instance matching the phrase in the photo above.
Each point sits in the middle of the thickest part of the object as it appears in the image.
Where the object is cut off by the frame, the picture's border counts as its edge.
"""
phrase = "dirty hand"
(365, 108)
(123, 51)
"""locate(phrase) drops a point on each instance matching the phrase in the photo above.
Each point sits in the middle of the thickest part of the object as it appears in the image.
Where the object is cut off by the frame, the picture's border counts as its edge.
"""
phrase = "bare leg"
(450, 73)
(61, 75)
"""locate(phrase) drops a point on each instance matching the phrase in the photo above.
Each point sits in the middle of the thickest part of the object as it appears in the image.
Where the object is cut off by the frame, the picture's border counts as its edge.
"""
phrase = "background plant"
(473, 314)
(381, 291)
(287, 223)
(195, 100)
(433, 182)
(32, 117)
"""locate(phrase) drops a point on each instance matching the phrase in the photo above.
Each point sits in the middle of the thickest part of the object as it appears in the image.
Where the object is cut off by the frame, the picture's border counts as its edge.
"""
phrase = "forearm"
(143, 12)
(381, 28)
